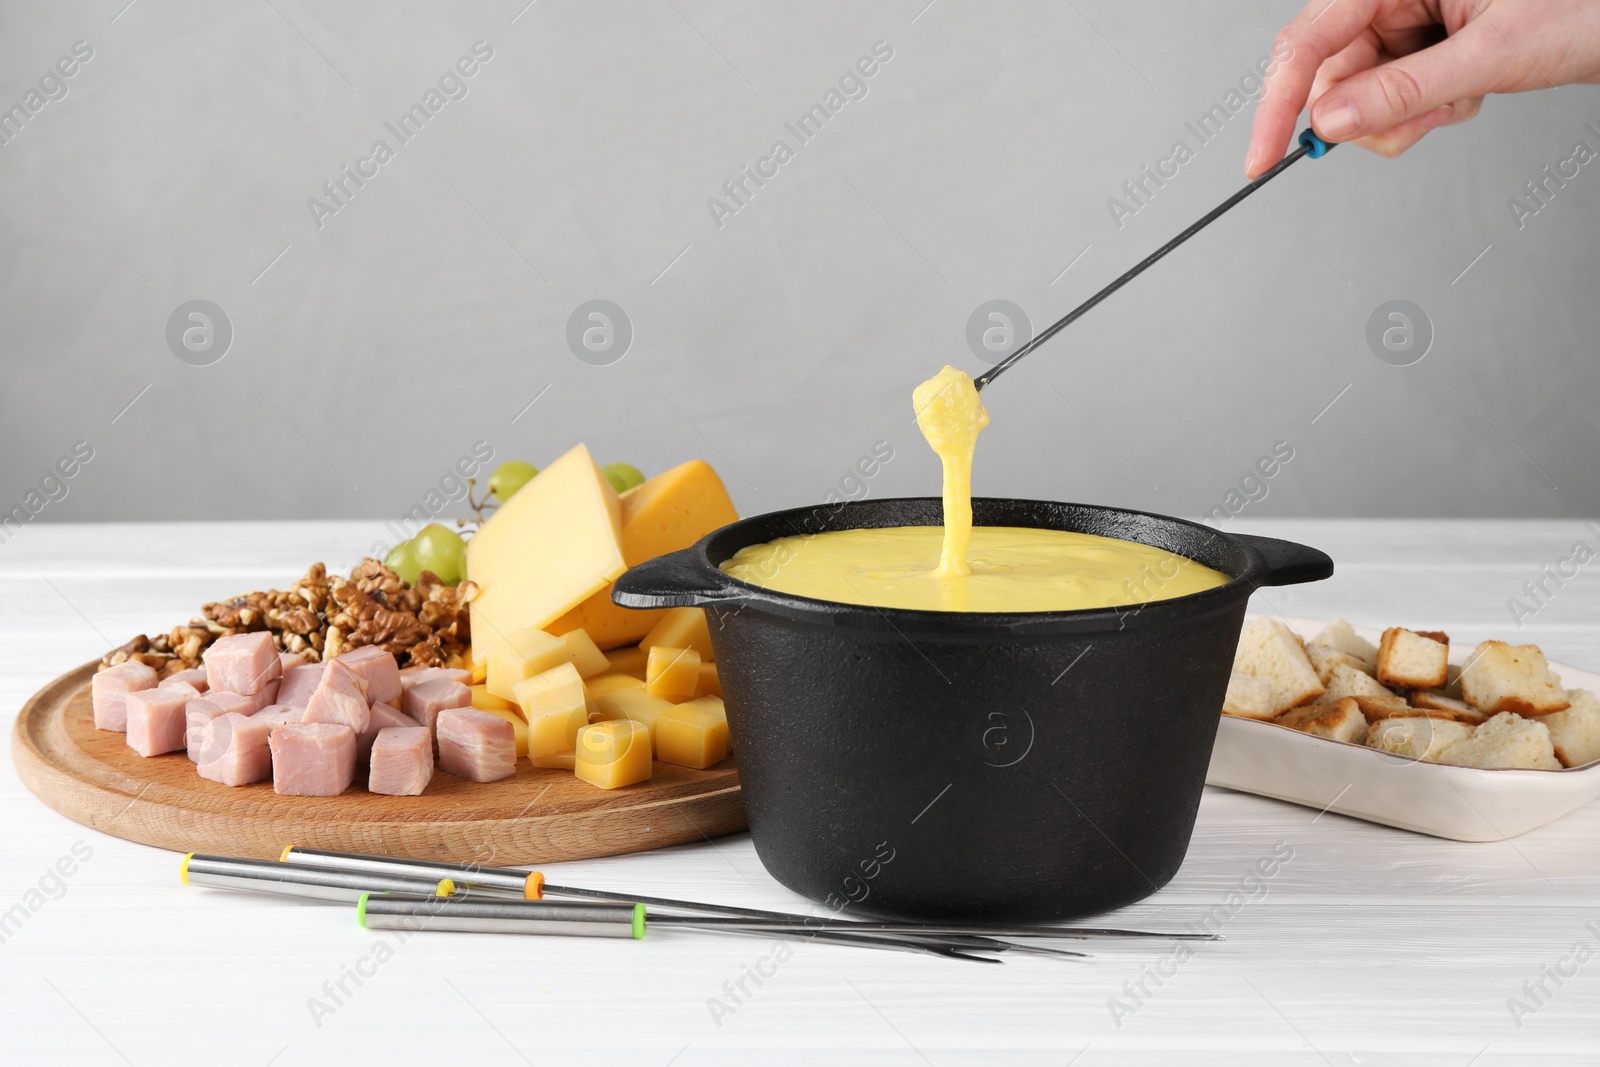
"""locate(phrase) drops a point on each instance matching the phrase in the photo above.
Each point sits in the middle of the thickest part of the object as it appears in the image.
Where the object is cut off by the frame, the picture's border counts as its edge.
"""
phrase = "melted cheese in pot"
(1012, 569)
(956, 567)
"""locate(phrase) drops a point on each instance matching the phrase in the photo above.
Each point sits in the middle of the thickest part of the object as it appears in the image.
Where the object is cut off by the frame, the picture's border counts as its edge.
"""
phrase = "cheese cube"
(691, 736)
(673, 510)
(628, 660)
(517, 724)
(613, 754)
(484, 700)
(672, 673)
(709, 684)
(555, 707)
(712, 704)
(560, 761)
(635, 704)
(585, 654)
(610, 683)
(521, 656)
(681, 628)
(557, 689)
(555, 543)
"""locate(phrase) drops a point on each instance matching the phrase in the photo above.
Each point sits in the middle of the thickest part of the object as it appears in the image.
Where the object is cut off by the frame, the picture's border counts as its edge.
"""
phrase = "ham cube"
(383, 718)
(237, 750)
(380, 670)
(280, 715)
(312, 759)
(475, 745)
(424, 700)
(410, 676)
(157, 719)
(341, 699)
(203, 709)
(242, 663)
(288, 661)
(195, 676)
(253, 702)
(299, 683)
(402, 761)
(109, 689)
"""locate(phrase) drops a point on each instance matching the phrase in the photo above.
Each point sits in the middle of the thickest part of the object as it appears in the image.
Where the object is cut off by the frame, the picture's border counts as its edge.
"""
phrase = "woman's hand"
(1382, 73)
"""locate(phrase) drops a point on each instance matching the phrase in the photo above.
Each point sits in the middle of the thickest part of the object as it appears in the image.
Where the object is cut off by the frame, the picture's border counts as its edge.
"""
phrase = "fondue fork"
(1310, 145)
(624, 920)
(530, 885)
(481, 882)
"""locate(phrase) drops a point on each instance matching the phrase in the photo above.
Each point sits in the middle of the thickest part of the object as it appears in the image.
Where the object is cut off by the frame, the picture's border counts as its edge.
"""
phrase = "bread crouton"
(1272, 652)
(1342, 636)
(1459, 710)
(1325, 658)
(1416, 738)
(1505, 741)
(1452, 684)
(1501, 677)
(1394, 707)
(1338, 721)
(1410, 660)
(1248, 698)
(1345, 681)
(1575, 732)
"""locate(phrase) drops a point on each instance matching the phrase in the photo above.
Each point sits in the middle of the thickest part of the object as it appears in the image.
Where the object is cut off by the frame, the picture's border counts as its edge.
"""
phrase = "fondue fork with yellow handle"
(530, 885)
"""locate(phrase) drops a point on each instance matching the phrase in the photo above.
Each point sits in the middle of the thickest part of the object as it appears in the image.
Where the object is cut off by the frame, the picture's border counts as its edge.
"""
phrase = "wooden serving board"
(535, 816)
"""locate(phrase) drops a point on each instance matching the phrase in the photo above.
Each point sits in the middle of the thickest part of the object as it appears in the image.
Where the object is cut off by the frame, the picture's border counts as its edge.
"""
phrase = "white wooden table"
(1372, 946)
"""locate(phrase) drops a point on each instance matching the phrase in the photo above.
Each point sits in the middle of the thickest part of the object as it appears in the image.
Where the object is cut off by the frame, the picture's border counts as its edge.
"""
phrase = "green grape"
(402, 559)
(441, 550)
(510, 476)
(622, 477)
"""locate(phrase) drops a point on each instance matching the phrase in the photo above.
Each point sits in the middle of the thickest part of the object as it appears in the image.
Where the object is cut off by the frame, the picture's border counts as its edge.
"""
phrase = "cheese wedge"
(673, 510)
(554, 544)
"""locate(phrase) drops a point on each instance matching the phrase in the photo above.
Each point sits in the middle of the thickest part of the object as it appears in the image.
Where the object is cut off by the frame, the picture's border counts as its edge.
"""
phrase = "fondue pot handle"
(1285, 562)
(682, 579)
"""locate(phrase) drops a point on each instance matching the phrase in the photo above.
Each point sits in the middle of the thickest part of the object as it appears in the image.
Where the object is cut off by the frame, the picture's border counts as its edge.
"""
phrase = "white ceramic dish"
(1460, 803)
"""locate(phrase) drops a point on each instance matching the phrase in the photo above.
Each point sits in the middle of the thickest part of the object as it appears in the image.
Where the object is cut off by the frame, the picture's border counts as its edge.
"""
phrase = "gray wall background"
(369, 354)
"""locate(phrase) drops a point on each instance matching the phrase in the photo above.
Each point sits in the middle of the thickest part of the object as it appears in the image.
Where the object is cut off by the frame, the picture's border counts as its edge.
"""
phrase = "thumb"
(1465, 65)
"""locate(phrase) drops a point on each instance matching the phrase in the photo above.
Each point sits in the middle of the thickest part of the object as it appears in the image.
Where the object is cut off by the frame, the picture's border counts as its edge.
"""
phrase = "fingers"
(1393, 142)
(1321, 30)
(1361, 54)
(1379, 101)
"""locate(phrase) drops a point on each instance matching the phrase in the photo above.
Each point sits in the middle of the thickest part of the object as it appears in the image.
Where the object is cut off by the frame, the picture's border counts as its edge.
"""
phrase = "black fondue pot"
(960, 766)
